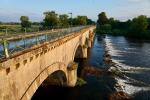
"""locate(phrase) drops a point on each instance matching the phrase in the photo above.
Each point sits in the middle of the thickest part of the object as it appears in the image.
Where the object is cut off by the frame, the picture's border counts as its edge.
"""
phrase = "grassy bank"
(15, 29)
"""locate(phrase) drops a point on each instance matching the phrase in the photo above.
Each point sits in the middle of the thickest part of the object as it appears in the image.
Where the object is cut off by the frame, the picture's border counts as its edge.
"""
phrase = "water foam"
(124, 83)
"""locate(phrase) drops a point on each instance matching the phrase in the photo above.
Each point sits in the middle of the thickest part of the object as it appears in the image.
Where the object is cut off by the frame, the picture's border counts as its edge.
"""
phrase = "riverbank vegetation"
(52, 20)
(138, 27)
(80, 82)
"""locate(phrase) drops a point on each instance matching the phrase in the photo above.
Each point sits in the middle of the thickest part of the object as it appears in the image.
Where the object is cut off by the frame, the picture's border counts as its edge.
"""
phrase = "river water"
(131, 57)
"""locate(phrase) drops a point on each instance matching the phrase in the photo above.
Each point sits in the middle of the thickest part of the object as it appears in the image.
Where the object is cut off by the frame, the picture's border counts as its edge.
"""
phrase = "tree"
(139, 25)
(81, 20)
(64, 22)
(103, 26)
(102, 19)
(51, 19)
(90, 22)
(148, 23)
(25, 23)
(73, 21)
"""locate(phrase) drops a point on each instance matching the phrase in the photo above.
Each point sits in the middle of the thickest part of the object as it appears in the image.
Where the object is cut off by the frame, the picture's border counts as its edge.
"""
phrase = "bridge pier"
(92, 35)
(72, 74)
(84, 50)
(89, 42)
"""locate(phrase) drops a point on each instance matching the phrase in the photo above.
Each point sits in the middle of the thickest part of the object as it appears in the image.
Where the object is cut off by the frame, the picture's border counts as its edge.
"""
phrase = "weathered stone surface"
(23, 73)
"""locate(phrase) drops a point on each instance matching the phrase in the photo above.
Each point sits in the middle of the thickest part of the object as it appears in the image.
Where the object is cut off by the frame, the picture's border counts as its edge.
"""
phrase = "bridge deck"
(15, 44)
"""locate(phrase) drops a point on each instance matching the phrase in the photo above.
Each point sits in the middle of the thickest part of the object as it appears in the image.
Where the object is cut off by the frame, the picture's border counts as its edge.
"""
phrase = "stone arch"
(56, 78)
(80, 51)
(88, 43)
(41, 77)
(82, 43)
(75, 49)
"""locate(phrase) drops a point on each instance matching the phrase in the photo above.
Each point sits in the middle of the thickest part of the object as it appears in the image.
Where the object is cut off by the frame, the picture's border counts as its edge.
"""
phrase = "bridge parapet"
(10, 45)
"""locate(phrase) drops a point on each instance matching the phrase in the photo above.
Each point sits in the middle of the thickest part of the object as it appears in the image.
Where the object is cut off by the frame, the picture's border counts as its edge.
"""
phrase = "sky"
(11, 10)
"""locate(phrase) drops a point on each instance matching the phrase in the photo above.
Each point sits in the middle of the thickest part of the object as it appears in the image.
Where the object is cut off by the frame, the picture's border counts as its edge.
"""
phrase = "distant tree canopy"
(90, 22)
(64, 21)
(36, 23)
(102, 19)
(139, 24)
(148, 23)
(81, 20)
(138, 27)
(51, 19)
(25, 23)
(102, 23)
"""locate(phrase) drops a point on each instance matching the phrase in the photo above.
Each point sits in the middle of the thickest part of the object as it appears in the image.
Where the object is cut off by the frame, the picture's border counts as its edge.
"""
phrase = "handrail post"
(24, 42)
(5, 45)
(37, 40)
(45, 37)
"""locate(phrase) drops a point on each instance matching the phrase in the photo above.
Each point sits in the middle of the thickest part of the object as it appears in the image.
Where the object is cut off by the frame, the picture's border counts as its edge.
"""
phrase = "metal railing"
(9, 47)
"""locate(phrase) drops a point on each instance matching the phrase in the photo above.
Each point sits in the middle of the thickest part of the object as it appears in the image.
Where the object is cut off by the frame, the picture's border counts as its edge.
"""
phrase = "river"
(131, 57)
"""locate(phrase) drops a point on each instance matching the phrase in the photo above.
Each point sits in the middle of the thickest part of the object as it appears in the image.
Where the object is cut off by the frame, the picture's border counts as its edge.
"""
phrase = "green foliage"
(15, 29)
(51, 19)
(81, 20)
(80, 82)
(25, 23)
(102, 19)
(10, 29)
(103, 27)
(90, 22)
(64, 22)
(148, 23)
(138, 26)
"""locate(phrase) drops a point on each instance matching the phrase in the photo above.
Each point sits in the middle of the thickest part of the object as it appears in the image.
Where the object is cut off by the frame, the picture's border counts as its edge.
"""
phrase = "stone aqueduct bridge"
(21, 75)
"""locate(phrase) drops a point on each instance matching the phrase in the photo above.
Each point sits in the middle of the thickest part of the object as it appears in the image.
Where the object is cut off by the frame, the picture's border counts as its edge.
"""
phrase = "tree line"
(53, 20)
(138, 27)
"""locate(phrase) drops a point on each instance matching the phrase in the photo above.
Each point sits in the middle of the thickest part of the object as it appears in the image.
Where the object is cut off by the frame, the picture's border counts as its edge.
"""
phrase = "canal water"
(131, 58)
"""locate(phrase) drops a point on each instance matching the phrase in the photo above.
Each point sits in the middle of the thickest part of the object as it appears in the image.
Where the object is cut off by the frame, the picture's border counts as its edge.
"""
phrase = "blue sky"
(11, 10)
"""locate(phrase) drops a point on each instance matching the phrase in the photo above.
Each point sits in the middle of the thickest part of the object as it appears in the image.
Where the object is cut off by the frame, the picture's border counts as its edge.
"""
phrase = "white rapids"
(124, 84)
